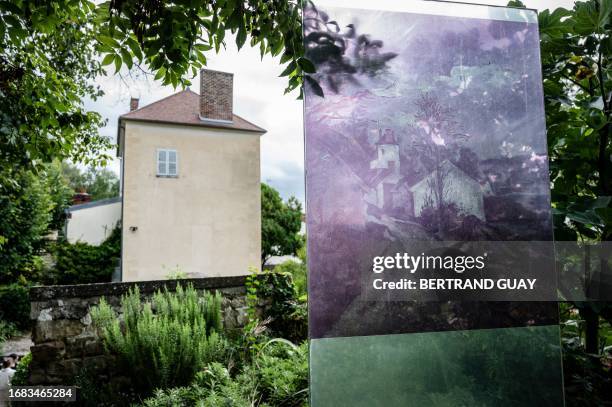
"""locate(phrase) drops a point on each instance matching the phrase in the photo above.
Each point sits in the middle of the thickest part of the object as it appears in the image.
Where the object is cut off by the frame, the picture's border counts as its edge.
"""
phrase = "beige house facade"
(190, 186)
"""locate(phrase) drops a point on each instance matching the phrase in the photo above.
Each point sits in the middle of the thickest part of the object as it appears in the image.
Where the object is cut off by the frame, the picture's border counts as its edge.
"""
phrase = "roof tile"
(184, 108)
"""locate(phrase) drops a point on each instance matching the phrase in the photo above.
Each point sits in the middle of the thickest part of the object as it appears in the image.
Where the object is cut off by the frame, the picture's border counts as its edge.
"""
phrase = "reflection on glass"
(493, 367)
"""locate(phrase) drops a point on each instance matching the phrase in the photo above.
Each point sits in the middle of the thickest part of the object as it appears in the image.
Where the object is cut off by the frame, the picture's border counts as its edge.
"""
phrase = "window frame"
(166, 174)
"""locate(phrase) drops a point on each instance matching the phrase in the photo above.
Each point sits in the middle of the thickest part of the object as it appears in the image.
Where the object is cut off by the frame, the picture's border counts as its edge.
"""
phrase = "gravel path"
(19, 345)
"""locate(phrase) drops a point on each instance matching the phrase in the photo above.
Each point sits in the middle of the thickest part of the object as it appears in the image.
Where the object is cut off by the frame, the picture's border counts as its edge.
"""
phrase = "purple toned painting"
(420, 124)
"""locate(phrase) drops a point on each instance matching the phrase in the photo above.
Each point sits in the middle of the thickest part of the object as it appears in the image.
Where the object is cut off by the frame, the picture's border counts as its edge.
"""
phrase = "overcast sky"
(258, 97)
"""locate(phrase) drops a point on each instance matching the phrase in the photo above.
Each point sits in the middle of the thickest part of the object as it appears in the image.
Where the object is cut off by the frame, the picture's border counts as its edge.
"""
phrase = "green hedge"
(81, 263)
(15, 305)
(286, 314)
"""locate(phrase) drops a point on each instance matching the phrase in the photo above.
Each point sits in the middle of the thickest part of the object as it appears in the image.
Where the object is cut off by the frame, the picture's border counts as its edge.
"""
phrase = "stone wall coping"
(43, 293)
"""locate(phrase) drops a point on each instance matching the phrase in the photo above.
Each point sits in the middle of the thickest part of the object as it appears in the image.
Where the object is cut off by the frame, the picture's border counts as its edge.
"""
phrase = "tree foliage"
(50, 52)
(172, 38)
(577, 66)
(98, 182)
(25, 215)
(576, 47)
(15, 305)
(280, 224)
(59, 191)
(47, 67)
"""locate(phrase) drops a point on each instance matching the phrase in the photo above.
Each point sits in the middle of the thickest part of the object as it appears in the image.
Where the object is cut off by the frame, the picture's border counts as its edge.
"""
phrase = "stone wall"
(65, 342)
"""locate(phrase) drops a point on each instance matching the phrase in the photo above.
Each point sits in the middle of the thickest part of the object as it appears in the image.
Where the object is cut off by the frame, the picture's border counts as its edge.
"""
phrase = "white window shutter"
(172, 162)
(162, 163)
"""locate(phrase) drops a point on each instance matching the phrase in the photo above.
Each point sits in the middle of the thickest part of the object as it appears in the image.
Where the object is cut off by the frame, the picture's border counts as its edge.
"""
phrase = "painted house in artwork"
(387, 169)
(458, 188)
(394, 194)
(191, 185)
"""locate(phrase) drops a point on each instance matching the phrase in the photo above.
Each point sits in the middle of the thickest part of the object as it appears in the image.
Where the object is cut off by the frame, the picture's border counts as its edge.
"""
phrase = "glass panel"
(432, 128)
(172, 156)
(171, 168)
(490, 367)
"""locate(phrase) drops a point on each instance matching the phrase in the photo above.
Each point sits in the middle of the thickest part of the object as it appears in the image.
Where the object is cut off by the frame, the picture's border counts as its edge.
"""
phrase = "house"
(389, 189)
(92, 222)
(458, 188)
(190, 171)
(391, 193)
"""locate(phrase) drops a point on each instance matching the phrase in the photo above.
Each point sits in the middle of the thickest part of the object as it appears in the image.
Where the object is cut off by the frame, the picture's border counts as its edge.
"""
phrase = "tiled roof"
(93, 204)
(184, 108)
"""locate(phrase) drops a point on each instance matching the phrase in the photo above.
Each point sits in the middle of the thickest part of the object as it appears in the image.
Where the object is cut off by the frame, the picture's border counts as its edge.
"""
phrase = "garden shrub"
(82, 263)
(297, 271)
(277, 376)
(22, 372)
(93, 392)
(276, 292)
(163, 342)
(7, 331)
(15, 305)
(282, 369)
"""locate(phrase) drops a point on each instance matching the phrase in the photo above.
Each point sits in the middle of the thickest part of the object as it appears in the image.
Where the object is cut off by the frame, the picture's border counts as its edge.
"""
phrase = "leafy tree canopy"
(576, 57)
(171, 38)
(26, 211)
(98, 182)
(576, 47)
(47, 66)
(280, 224)
(50, 52)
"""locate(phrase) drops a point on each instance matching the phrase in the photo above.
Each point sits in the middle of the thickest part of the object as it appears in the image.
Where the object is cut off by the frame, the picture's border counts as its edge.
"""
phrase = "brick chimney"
(133, 104)
(216, 95)
(81, 197)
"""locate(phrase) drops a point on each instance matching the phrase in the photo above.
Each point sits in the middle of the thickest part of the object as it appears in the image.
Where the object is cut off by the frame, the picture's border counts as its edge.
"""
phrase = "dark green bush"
(275, 292)
(165, 341)
(22, 372)
(298, 274)
(25, 215)
(277, 376)
(15, 305)
(81, 263)
(7, 330)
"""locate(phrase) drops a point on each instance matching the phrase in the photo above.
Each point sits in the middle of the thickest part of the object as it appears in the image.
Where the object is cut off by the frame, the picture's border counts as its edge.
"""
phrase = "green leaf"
(605, 13)
(127, 57)
(161, 72)
(117, 60)
(289, 69)
(134, 47)
(10, 6)
(108, 59)
(241, 37)
(306, 65)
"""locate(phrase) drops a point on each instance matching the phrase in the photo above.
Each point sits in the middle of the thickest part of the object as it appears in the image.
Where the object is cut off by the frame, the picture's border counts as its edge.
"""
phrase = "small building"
(92, 222)
(386, 172)
(191, 185)
(458, 188)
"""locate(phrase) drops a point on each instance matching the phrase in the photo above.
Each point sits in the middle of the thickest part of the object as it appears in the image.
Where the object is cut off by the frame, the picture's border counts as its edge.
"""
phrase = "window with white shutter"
(167, 163)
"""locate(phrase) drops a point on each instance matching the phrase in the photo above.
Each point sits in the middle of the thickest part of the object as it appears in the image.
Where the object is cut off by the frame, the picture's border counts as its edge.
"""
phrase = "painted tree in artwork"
(436, 138)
